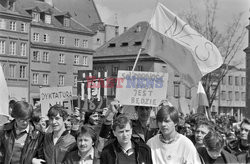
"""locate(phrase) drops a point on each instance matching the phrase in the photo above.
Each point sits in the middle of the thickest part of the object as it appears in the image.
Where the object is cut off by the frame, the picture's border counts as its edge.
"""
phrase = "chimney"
(11, 5)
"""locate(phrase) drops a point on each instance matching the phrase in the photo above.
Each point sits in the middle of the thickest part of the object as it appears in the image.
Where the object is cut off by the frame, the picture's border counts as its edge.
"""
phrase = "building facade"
(231, 94)
(59, 47)
(247, 51)
(14, 48)
(120, 54)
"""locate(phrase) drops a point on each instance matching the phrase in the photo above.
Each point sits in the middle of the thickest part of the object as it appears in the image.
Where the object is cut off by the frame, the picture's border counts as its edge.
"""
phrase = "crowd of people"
(110, 136)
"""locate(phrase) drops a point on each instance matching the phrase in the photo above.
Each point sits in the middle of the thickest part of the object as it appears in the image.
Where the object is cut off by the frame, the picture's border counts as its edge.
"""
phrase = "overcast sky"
(129, 12)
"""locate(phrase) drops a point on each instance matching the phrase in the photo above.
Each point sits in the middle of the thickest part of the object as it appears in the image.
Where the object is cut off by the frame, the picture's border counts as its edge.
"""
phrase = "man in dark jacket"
(19, 140)
(57, 144)
(123, 149)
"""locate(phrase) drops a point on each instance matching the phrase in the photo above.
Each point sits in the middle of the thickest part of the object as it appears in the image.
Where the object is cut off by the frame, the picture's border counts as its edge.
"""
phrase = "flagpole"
(138, 55)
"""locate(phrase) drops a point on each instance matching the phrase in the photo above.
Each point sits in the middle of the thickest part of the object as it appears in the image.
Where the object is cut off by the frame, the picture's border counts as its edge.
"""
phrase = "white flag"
(4, 94)
(177, 44)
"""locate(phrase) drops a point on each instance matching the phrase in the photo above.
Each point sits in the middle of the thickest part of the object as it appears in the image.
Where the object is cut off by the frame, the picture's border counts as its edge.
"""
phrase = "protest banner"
(141, 88)
(91, 90)
(50, 96)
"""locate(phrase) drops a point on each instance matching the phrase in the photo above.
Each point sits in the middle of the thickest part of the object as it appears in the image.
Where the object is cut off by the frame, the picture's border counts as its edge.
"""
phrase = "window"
(12, 48)
(45, 56)
(176, 89)
(36, 37)
(243, 96)
(237, 80)
(139, 68)
(62, 40)
(23, 71)
(224, 80)
(2, 24)
(46, 38)
(2, 47)
(45, 79)
(77, 42)
(243, 81)
(35, 17)
(223, 95)
(61, 58)
(47, 19)
(114, 71)
(12, 70)
(76, 59)
(75, 81)
(61, 80)
(66, 22)
(130, 68)
(35, 78)
(23, 27)
(237, 96)
(23, 49)
(12, 25)
(230, 80)
(85, 43)
(85, 60)
(36, 56)
(188, 92)
(230, 95)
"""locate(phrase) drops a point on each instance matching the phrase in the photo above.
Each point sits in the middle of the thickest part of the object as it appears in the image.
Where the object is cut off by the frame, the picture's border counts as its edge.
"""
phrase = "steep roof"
(17, 11)
(84, 11)
(128, 43)
(45, 7)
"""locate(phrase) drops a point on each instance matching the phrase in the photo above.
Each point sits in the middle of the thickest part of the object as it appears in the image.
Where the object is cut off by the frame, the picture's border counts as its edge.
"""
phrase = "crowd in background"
(109, 136)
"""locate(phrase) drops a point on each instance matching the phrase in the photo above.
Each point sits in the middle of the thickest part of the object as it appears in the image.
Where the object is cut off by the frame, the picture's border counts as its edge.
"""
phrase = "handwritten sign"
(141, 88)
(50, 96)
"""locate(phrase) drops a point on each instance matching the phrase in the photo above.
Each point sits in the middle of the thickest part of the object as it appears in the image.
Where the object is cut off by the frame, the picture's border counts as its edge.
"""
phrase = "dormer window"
(124, 44)
(47, 19)
(111, 44)
(138, 29)
(35, 17)
(66, 22)
(64, 18)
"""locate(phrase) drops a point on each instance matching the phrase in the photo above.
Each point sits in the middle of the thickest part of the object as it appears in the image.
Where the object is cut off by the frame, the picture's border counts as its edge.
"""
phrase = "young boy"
(169, 146)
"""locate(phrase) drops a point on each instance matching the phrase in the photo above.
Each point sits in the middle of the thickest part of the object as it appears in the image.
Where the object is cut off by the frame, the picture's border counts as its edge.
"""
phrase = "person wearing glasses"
(240, 145)
(213, 152)
(20, 141)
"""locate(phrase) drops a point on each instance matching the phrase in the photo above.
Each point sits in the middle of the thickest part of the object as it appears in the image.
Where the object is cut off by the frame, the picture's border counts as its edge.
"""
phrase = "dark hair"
(121, 121)
(11, 103)
(22, 110)
(55, 109)
(206, 123)
(87, 130)
(166, 111)
(213, 141)
(139, 107)
(246, 121)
